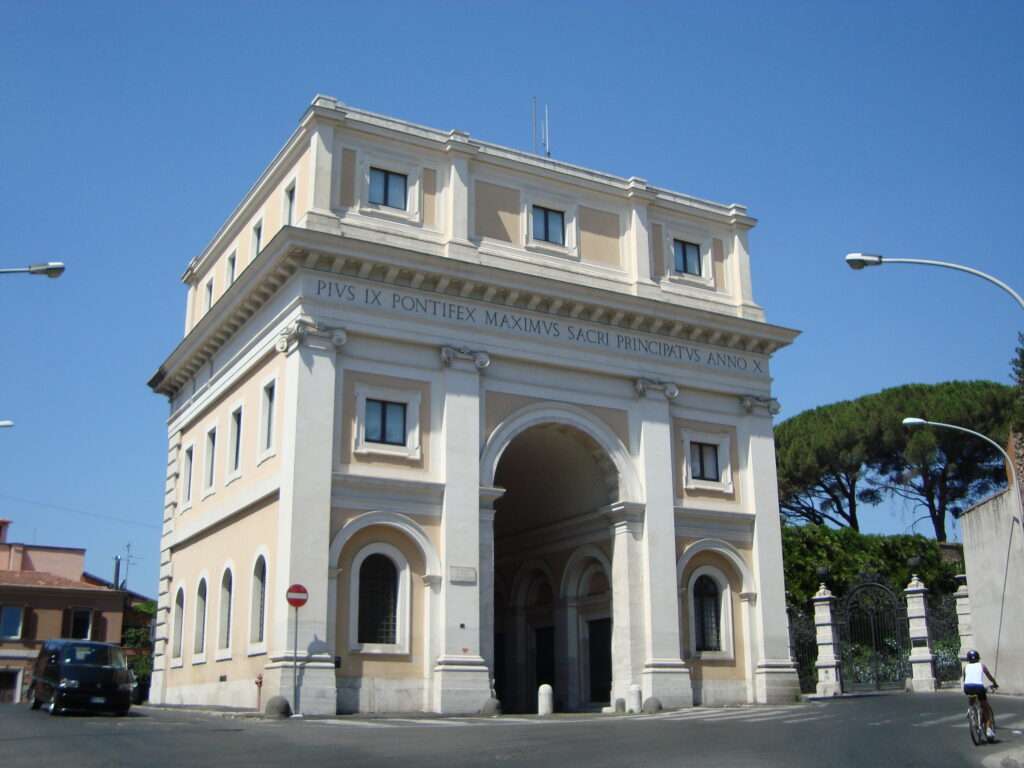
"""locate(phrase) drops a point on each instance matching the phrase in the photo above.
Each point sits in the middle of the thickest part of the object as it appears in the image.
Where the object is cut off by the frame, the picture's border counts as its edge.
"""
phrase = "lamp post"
(6, 423)
(858, 261)
(915, 422)
(52, 269)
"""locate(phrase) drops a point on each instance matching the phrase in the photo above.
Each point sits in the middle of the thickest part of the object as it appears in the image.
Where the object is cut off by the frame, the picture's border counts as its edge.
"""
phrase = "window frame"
(546, 211)
(231, 268)
(411, 399)
(568, 207)
(726, 650)
(199, 648)
(385, 203)
(723, 440)
(209, 294)
(410, 167)
(384, 421)
(684, 270)
(21, 621)
(224, 629)
(236, 433)
(210, 461)
(694, 234)
(256, 234)
(71, 623)
(188, 473)
(288, 203)
(402, 604)
(268, 421)
(178, 627)
(257, 647)
(703, 474)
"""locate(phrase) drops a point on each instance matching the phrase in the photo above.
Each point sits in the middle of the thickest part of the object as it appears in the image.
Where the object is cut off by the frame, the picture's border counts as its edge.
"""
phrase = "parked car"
(80, 675)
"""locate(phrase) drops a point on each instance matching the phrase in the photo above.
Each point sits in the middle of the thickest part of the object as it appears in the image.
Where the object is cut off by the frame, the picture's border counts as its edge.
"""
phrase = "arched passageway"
(553, 547)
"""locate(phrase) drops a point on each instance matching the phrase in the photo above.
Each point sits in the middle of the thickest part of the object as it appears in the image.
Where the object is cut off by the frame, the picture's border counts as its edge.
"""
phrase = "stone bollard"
(545, 700)
(633, 704)
(825, 635)
(921, 659)
(963, 617)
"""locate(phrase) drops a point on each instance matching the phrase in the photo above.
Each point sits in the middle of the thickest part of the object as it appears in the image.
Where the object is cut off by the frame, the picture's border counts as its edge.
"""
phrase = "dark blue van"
(80, 675)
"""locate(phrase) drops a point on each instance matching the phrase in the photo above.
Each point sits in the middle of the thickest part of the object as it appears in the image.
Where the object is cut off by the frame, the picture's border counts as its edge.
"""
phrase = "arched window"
(225, 611)
(378, 600)
(179, 619)
(707, 614)
(259, 600)
(200, 641)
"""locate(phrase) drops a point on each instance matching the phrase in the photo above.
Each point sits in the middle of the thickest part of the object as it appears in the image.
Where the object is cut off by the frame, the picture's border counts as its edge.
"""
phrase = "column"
(775, 675)
(963, 616)
(920, 645)
(461, 679)
(321, 150)
(665, 675)
(458, 148)
(304, 518)
(825, 629)
(487, 498)
(639, 231)
(627, 525)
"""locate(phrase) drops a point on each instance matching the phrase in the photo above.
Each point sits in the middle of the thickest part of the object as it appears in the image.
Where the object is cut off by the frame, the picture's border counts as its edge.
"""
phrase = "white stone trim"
(254, 246)
(411, 167)
(394, 520)
(265, 451)
(18, 678)
(177, 633)
(542, 413)
(231, 474)
(185, 504)
(255, 648)
(725, 636)
(577, 566)
(402, 610)
(724, 548)
(411, 399)
(209, 485)
(567, 206)
(689, 233)
(291, 184)
(199, 657)
(522, 581)
(723, 442)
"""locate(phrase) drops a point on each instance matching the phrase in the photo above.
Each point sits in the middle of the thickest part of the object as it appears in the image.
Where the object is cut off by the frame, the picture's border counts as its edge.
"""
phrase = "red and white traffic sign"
(297, 595)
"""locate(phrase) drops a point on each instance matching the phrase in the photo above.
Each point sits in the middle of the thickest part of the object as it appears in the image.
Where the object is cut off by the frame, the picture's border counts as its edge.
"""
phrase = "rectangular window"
(186, 476)
(81, 623)
(548, 225)
(211, 453)
(704, 461)
(209, 294)
(235, 461)
(289, 205)
(231, 268)
(268, 416)
(687, 257)
(10, 621)
(388, 188)
(257, 239)
(385, 422)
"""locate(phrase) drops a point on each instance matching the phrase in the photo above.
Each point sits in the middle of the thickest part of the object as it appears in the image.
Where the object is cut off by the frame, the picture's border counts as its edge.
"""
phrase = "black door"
(499, 667)
(545, 659)
(600, 650)
(8, 686)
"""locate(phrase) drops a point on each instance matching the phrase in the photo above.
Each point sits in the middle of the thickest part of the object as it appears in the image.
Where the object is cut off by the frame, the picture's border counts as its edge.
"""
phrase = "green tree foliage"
(835, 458)
(847, 554)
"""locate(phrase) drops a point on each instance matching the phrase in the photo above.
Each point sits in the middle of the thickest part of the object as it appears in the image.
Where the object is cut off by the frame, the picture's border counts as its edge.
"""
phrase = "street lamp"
(915, 422)
(860, 260)
(50, 269)
(6, 423)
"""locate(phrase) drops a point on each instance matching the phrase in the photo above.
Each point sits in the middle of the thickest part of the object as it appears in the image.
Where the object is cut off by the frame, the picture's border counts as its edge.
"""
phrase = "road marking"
(808, 719)
(939, 720)
(881, 722)
(356, 723)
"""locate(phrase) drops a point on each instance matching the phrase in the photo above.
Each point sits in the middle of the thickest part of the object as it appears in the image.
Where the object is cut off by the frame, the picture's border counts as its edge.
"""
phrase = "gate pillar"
(921, 659)
(963, 617)
(825, 631)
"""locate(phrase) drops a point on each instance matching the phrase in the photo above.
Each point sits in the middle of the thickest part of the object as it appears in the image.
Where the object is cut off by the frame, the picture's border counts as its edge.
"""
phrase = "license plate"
(97, 700)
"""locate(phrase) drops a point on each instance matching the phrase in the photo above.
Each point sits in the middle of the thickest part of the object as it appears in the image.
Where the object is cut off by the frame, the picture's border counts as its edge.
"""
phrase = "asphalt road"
(891, 730)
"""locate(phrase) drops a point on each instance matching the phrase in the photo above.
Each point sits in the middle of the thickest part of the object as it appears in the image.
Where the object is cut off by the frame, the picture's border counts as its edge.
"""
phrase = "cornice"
(423, 267)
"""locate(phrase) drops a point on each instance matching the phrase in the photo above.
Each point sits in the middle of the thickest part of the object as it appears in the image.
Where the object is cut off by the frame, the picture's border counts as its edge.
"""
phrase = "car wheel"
(121, 712)
(33, 702)
(52, 708)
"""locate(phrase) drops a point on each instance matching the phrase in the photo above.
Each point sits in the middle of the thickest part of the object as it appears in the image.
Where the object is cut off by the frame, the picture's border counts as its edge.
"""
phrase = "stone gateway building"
(507, 419)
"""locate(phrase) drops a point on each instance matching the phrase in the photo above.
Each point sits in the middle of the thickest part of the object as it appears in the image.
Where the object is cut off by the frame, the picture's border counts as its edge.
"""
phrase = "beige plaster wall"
(599, 237)
(347, 454)
(237, 544)
(703, 669)
(497, 212)
(658, 268)
(718, 264)
(500, 405)
(256, 466)
(429, 183)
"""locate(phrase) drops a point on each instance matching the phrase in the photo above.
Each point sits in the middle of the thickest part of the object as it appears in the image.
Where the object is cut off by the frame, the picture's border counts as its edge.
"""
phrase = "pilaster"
(825, 629)
(665, 675)
(627, 525)
(304, 514)
(921, 659)
(458, 148)
(321, 158)
(461, 677)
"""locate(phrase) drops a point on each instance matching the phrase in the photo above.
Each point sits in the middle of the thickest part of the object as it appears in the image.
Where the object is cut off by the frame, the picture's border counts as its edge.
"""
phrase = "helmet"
(973, 656)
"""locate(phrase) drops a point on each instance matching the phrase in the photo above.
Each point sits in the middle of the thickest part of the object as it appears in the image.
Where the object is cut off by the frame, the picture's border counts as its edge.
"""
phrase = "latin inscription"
(526, 325)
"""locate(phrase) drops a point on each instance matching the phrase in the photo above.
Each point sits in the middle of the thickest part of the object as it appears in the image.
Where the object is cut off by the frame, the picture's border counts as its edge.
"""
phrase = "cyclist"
(973, 679)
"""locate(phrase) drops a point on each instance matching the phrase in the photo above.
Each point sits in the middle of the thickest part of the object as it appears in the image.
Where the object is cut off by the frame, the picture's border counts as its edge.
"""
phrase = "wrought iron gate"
(874, 639)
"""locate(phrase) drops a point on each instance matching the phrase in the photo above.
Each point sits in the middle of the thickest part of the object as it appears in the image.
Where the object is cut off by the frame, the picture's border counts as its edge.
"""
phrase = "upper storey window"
(385, 422)
(388, 188)
(687, 257)
(548, 225)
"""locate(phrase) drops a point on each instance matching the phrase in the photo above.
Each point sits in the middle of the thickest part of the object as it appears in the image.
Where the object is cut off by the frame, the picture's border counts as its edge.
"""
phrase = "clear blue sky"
(129, 131)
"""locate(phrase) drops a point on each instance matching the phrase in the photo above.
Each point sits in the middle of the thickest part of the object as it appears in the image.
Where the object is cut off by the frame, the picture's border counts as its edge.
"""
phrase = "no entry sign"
(297, 595)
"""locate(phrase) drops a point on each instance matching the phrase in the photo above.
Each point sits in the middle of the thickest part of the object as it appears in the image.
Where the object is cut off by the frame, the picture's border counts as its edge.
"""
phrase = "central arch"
(559, 467)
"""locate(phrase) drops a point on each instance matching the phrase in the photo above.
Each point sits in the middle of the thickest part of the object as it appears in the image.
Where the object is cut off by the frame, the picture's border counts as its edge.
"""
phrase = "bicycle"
(975, 721)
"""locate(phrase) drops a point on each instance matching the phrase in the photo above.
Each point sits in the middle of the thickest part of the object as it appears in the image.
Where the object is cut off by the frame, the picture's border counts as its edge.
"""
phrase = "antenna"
(129, 559)
(547, 133)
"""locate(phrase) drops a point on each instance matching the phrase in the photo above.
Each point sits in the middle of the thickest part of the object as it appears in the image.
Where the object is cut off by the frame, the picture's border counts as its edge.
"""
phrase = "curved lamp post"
(6, 423)
(861, 260)
(50, 269)
(914, 422)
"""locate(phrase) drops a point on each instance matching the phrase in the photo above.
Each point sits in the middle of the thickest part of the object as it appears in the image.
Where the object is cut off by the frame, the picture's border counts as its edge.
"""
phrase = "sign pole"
(297, 595)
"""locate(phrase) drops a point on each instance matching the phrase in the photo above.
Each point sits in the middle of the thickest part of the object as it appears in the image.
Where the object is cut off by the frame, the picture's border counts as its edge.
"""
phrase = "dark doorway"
(600, 654)
(545, 659)
(500, 688)
(8, 686)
